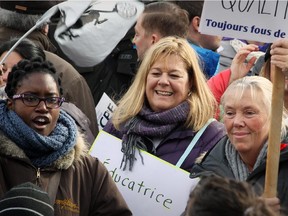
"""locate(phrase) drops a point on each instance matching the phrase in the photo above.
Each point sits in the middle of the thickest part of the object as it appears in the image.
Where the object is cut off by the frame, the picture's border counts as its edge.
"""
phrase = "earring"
(189, 94)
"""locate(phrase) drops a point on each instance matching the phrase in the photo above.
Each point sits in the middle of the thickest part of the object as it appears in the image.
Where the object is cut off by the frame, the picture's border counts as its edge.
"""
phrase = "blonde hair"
(260, 87)
(201, 100)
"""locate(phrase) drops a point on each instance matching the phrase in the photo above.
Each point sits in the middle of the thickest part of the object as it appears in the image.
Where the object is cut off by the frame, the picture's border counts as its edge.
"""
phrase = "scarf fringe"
(149, 124)
(134, 143)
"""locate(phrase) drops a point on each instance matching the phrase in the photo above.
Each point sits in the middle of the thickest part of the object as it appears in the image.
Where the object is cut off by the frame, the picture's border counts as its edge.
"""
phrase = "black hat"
(26, 199)
(28, 7)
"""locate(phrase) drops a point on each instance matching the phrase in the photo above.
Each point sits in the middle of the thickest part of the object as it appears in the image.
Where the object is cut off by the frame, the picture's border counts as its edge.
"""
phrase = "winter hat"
(28, 7)
(26, 199)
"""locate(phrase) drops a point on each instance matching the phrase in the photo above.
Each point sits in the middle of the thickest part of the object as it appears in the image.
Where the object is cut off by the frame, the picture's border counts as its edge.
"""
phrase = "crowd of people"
(173, 97)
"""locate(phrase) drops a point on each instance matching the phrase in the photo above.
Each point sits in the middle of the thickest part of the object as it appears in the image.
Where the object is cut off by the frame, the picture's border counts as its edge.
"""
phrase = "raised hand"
(279, 54)
(239, 66)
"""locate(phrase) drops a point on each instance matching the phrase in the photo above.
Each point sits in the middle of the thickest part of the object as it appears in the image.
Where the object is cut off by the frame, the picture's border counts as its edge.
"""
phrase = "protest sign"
(104, 110)
(263, 21)
(153, 188)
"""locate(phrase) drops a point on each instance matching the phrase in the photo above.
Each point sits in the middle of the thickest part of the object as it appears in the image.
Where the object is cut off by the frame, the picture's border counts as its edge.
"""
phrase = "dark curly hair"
(25, 68)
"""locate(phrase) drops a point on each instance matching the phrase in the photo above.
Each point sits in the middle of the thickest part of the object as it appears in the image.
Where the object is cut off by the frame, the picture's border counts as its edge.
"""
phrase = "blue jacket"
(173, 146)
(215, 162)
(209, 60)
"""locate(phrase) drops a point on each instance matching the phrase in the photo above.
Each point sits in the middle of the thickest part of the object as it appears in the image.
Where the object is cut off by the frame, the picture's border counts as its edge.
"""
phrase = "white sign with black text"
(153, 188)
(104, 110)
(263, 21)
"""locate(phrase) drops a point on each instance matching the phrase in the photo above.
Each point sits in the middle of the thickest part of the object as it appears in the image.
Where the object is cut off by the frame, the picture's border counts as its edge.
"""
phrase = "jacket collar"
(9, 148)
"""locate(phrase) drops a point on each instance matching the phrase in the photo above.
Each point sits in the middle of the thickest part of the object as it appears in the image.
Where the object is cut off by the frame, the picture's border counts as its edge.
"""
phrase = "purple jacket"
(173, 146)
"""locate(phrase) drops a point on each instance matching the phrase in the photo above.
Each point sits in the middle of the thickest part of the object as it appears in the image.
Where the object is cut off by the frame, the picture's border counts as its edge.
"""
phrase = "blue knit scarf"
(150, 124)
(41, 150)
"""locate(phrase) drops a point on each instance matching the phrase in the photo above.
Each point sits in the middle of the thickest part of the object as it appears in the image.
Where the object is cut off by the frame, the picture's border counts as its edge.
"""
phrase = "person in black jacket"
(115, 74)
(242, 154)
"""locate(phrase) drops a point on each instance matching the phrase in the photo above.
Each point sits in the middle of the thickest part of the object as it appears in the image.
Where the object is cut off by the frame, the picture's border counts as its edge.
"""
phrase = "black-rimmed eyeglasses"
(33, 100)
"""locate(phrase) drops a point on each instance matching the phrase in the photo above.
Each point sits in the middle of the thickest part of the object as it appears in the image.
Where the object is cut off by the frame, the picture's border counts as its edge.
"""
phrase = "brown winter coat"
(85, 187)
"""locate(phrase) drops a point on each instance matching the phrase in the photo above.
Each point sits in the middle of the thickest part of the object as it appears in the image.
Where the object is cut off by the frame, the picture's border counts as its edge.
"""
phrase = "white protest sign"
(153, 188)
(104, 110)
(263, 21)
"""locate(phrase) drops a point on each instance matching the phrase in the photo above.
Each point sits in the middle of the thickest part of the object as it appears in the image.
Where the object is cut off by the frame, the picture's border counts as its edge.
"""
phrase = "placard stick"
(272, 166)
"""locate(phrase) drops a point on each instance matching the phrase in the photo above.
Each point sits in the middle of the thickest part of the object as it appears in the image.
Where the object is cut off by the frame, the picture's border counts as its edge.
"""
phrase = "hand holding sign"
(279, 55)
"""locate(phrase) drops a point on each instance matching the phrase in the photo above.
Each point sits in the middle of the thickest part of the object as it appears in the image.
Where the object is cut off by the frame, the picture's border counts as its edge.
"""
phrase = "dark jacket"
(172, 147)
(77, 184)
(80, 119)
(216, 162)
(74, 85)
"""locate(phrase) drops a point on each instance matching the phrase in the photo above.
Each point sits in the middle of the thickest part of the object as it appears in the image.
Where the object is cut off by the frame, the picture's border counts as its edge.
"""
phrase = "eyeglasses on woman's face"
(31, 100)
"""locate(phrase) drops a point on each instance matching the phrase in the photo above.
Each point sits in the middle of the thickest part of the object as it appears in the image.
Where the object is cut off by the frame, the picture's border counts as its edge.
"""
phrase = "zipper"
(38, 177)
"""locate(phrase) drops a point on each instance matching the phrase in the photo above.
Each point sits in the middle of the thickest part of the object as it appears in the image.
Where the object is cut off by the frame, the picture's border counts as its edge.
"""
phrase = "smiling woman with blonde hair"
(166, 105)
(242, 154)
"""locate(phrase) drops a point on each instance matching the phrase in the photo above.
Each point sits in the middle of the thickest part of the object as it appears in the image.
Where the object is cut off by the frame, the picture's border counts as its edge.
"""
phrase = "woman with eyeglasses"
(40, 143)
(26, 49)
